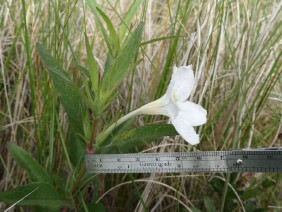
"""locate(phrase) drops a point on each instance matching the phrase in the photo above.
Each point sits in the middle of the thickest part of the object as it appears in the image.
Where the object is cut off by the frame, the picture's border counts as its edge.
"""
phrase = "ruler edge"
(239, 152)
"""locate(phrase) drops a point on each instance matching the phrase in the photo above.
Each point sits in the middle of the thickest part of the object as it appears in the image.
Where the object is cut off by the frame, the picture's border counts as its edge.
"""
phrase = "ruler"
(243, 160)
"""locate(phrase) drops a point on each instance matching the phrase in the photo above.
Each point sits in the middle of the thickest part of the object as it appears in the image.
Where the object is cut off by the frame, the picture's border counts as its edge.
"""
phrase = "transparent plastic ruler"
(244, 160)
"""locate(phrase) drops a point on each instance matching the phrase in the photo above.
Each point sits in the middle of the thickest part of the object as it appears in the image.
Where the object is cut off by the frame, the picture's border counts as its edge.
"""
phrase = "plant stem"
(79, 177)
(225, 189)
(90, 149)
(105, 134)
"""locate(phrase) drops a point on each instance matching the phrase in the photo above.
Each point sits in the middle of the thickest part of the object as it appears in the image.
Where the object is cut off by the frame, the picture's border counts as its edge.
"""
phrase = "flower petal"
(193, 113)
(181, 83)
(157, 107)
(186, 130)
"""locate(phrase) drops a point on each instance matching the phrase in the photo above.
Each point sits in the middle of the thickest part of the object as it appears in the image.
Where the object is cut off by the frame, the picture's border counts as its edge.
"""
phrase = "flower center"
(174, 97)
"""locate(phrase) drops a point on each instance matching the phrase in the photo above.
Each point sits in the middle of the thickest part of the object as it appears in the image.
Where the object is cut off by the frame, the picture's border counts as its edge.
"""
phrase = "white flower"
(182, 113)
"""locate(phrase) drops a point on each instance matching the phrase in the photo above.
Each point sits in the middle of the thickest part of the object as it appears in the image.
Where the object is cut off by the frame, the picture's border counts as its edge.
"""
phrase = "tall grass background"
(235, 50)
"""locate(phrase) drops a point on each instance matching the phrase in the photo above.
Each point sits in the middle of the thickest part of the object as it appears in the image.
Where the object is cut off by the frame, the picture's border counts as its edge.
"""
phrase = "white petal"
(172, 81)
(193, 113)
(157, 107)
(186, 130)
(181, 83)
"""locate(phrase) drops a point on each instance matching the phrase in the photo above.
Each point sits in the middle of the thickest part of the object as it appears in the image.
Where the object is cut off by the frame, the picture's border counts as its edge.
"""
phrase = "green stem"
(157, 107)
(225, 189)
(96, 126)
(105, 134)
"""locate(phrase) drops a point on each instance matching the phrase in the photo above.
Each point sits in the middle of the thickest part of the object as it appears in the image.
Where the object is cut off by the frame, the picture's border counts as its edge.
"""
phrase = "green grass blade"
(128, 18)
(51, 137)
(165, 77)
(159, 39)
(32, 76)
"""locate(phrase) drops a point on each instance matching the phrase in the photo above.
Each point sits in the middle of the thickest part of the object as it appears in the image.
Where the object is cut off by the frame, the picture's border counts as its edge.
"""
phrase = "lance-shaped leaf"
(27, 162)
(114, 39)
(40, 194)
(71, 97)
(137, 137)
(92, 4)
(93, 70)
(120, 67)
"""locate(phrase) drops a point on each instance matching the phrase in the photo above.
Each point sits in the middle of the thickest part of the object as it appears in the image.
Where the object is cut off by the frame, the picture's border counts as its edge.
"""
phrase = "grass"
(235, 49)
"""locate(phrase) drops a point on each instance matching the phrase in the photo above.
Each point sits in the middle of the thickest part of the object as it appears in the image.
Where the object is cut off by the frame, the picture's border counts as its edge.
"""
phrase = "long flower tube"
(184, 115)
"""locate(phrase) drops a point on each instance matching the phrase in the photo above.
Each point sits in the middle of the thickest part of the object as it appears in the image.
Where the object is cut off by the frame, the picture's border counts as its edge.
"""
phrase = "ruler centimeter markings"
(244, 160)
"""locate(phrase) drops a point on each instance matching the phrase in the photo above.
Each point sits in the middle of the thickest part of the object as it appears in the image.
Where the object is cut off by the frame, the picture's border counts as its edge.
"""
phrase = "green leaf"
(75, 147)
(41, 194)
(27, 162)
(159, 39)
(94, 73)
(120, 67)
(83, 70)
(97, 207)
(108, 63)
(209, 204)
(71, 97)
(90, 95)
(137, 137)
(119, 129)
(92, 4)
(128, 18)
(114, 39)
(196, 210)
